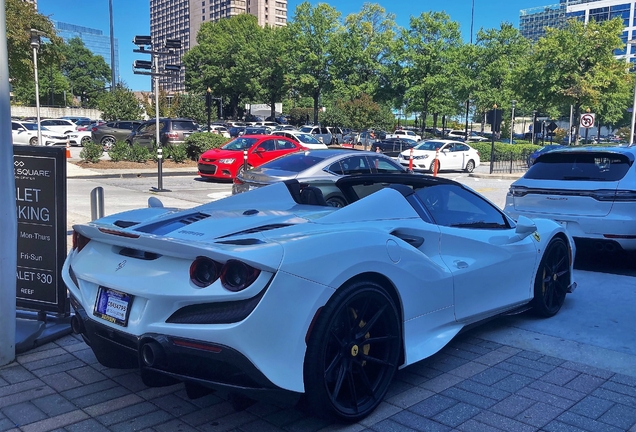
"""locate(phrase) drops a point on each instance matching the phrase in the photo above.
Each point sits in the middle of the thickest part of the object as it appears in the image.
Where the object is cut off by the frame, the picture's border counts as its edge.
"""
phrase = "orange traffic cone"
(436, 163)
(68, 150)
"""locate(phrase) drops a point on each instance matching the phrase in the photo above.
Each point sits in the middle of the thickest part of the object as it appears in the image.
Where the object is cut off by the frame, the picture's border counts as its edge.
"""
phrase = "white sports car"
(274, 292)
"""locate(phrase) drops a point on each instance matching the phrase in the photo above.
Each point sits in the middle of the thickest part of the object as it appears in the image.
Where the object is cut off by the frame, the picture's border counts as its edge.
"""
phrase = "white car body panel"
(404, 134)
(448, 160)
(76, 138)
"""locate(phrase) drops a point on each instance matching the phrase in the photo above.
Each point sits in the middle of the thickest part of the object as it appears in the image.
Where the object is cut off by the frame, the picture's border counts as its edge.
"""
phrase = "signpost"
(493, 117)
(587, 121)
(40, 191)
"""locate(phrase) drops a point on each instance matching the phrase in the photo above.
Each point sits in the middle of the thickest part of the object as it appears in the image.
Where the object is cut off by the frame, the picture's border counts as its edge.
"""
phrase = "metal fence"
(510, 162)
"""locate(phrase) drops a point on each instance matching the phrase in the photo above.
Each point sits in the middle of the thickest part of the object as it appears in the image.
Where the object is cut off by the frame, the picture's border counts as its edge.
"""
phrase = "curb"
(135, 174)
(500, 176)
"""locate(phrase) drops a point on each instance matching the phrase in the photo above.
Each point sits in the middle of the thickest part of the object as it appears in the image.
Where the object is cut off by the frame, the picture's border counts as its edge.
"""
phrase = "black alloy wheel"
(552, 280)
(353, 352)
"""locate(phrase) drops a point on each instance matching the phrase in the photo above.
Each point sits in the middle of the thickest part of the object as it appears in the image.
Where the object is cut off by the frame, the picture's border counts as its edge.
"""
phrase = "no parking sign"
(587, 120)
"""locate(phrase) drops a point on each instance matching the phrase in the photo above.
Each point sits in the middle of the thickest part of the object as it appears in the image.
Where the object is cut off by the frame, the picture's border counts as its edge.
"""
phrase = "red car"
(226, 162)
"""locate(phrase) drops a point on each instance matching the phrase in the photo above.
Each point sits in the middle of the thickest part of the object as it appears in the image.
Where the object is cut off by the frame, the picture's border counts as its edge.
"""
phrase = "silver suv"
(321, 133)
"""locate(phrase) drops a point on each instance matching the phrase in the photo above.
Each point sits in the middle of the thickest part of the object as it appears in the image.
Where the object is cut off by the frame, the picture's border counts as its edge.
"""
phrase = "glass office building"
(95, 40)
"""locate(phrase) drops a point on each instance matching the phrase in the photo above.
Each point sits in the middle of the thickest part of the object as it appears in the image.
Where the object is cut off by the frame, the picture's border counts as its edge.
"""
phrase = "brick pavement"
(471, 385)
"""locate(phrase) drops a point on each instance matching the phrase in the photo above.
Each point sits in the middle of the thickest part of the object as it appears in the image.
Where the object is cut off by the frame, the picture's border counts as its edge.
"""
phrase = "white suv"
(591, 191)
(320, 132)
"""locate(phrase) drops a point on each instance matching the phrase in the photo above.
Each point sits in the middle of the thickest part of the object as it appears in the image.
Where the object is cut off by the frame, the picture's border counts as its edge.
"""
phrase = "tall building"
(533, 22)
(182, 19)
(94, 39)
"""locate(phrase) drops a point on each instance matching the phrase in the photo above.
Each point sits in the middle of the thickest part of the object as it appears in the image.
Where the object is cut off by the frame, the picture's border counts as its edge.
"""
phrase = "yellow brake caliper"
(365, 348)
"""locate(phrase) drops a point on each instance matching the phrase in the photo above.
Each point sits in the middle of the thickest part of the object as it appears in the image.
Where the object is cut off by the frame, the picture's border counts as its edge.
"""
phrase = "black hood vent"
(257, 229)
(170, 225)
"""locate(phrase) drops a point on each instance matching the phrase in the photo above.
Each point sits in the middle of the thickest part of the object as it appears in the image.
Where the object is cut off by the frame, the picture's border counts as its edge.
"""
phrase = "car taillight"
(236, 275)
(94, 129)
(79, 241)
(204, 271)
(517, 191)
(172, 135)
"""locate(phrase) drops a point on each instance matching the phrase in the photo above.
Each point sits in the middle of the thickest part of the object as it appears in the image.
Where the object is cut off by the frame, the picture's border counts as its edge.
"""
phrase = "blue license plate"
(112, 305)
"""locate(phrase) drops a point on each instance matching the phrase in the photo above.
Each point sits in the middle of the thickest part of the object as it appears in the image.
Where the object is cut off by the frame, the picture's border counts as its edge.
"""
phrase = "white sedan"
(451, 155)
(273, 292)
(27, 133)
(80, 138)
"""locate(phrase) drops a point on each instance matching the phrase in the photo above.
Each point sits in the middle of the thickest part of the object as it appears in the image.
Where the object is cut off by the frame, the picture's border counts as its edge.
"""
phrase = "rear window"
(584, 166)
(295, 162)
(183, 125)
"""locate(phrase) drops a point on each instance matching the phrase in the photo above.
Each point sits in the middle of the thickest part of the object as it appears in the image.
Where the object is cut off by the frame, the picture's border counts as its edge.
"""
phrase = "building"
(95, 40)
(182, 19)
(533, 22)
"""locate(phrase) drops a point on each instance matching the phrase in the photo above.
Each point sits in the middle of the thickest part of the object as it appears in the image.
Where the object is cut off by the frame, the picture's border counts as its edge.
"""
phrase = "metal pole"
(512, 122)
(155, 67)
(112, 47)
(631, 135)
(97, 203)
(492, 146)
(37, 94)
(8, 219)
(571, 117)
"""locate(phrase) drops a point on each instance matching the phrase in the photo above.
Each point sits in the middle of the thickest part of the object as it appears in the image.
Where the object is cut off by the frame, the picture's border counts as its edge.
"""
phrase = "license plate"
(113, 306)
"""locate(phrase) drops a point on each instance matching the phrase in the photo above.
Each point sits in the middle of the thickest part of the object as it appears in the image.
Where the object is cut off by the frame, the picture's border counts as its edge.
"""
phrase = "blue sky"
(132, 17)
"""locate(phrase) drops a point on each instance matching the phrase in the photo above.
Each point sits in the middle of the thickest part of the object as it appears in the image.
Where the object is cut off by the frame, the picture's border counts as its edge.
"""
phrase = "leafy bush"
(91, 153)
(503, 150)
(139, 154)
(178, 153)
(198, 143)
(119, 152)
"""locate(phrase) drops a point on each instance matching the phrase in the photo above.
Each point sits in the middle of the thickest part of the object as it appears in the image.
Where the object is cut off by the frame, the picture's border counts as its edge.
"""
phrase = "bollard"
(436, 163)
(244, 160)
(68, 149)
(97, 203)
(411, 160)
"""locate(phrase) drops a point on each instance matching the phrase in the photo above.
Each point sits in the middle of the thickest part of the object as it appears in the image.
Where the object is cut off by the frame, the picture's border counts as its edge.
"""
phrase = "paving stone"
(592, 407)
(263, 409)
(88, 389)
(469, 397)
(557, 426)
(262, 426)
(441, 383)
(620, 388)
(457, 414)
(539, 414)
(67, 341)
(422, 369)
(530, 364)
(151, 393)
(469, 369)
(60, 357)
(560, 376)
(383, 411)
(100, 397)
(472, 348)
(590, 370)
(509, 350)
(530, 355)
(406, 376)
(513, 383)
(483, 390)
(462, 353)
(503, 423)
(16, 374)
(615, 397)
(418, 423)
(86, 356)
(521, 370)
(24, 413)
(6, 424)
(20, 387)
(307, 424)
(175, 425)
(540, 396)
(88, 425)
(490, 345)
(389, 425)
(586, 423)
(26, 395)
(432, 405)
(445, 363)
(493, 358)
(87, 375)
(31, 357)
(112, 405)
(127, 413)
(475, 426)
(490, 376)
(202, 402)
(54, 405)
(398, 387)
(551, 360)
(61, 381)
(141, 422)
(585, 383)
(210, 413)
(59, 421)
(620, 416)
(557, 390)
(410, 397)
(512, 406)
(132, 381)
(174, 405)
(624, 379)
(57, 368)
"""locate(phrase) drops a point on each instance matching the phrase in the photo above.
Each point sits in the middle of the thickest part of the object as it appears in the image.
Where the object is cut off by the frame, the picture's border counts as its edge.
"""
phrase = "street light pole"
(512, 120)
(35, 44)
(155, 69)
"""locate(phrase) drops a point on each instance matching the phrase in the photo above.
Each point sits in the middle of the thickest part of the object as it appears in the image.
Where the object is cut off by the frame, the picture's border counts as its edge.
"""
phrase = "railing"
(510, 162)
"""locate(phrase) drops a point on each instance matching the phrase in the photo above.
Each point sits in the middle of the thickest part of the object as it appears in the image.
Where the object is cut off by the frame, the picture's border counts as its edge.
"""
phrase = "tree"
(226, 59)
(120, 104)
(315, 31)
(192, 106)
(576, 66)
(363, 112)
(275, 62)
(148, 104)
(87, 73)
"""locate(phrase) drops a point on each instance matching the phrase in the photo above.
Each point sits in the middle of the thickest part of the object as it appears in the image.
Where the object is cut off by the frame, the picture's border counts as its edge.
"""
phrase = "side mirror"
(259, 150)
(525, 226)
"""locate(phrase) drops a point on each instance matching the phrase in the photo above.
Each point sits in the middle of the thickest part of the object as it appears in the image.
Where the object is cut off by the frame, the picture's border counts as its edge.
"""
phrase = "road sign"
(587, 120)
(552, 127)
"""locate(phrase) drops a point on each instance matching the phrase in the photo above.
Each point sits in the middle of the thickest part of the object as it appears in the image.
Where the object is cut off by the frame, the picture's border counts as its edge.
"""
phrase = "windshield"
(307, 139)
(586, 166)
(240, 144)
(306, 129)
(295, 162)
(31, 126)
(429, 145)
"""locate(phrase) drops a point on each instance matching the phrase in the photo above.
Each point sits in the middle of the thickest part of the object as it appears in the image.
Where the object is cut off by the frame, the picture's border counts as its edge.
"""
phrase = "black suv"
(171, 131)
(109, 133)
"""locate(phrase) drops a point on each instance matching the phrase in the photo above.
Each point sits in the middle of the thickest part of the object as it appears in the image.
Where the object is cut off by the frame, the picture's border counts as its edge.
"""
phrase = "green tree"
(87, 73)
(315, 31)
(275, 63)
(576, 66)
(226, 59)
(193, 106)
(120, 104)
(363, 112)
(149, 104)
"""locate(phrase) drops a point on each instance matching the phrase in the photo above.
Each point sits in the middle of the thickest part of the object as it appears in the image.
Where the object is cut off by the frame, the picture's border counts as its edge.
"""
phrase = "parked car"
(451, 155)
(258, 130)
(404, 133)
(304, 139)
(319, 168)
(80, 138)
(219, 130)
(336, 134)
(393, 146)
(27, 133)
(172, 131)
(77, 119)
(108, 134)
(226, 162)
(535, 154)
(590, 191)
(321, 133)
(236, 131)
(275, 291)
(61, 126)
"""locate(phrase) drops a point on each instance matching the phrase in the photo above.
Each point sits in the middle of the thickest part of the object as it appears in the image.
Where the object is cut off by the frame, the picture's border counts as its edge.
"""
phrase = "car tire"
(336, 201)
(470, 166)
(552, 279)
(241, 170)
(33, 141)
(432, 168)
(108, 142)
(346, 378)
(85, 140)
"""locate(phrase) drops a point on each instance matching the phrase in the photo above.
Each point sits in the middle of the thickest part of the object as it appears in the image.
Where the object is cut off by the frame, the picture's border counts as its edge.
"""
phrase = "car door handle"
(460, 264)
(415, 241)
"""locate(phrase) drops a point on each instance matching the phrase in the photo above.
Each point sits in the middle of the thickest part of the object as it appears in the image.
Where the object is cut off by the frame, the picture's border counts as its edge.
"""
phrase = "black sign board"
(552, 127)
(40, 186)
(493, 118)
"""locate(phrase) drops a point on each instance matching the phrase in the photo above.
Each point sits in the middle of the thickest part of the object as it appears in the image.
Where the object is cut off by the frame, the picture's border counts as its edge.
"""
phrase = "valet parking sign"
(40, 182)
